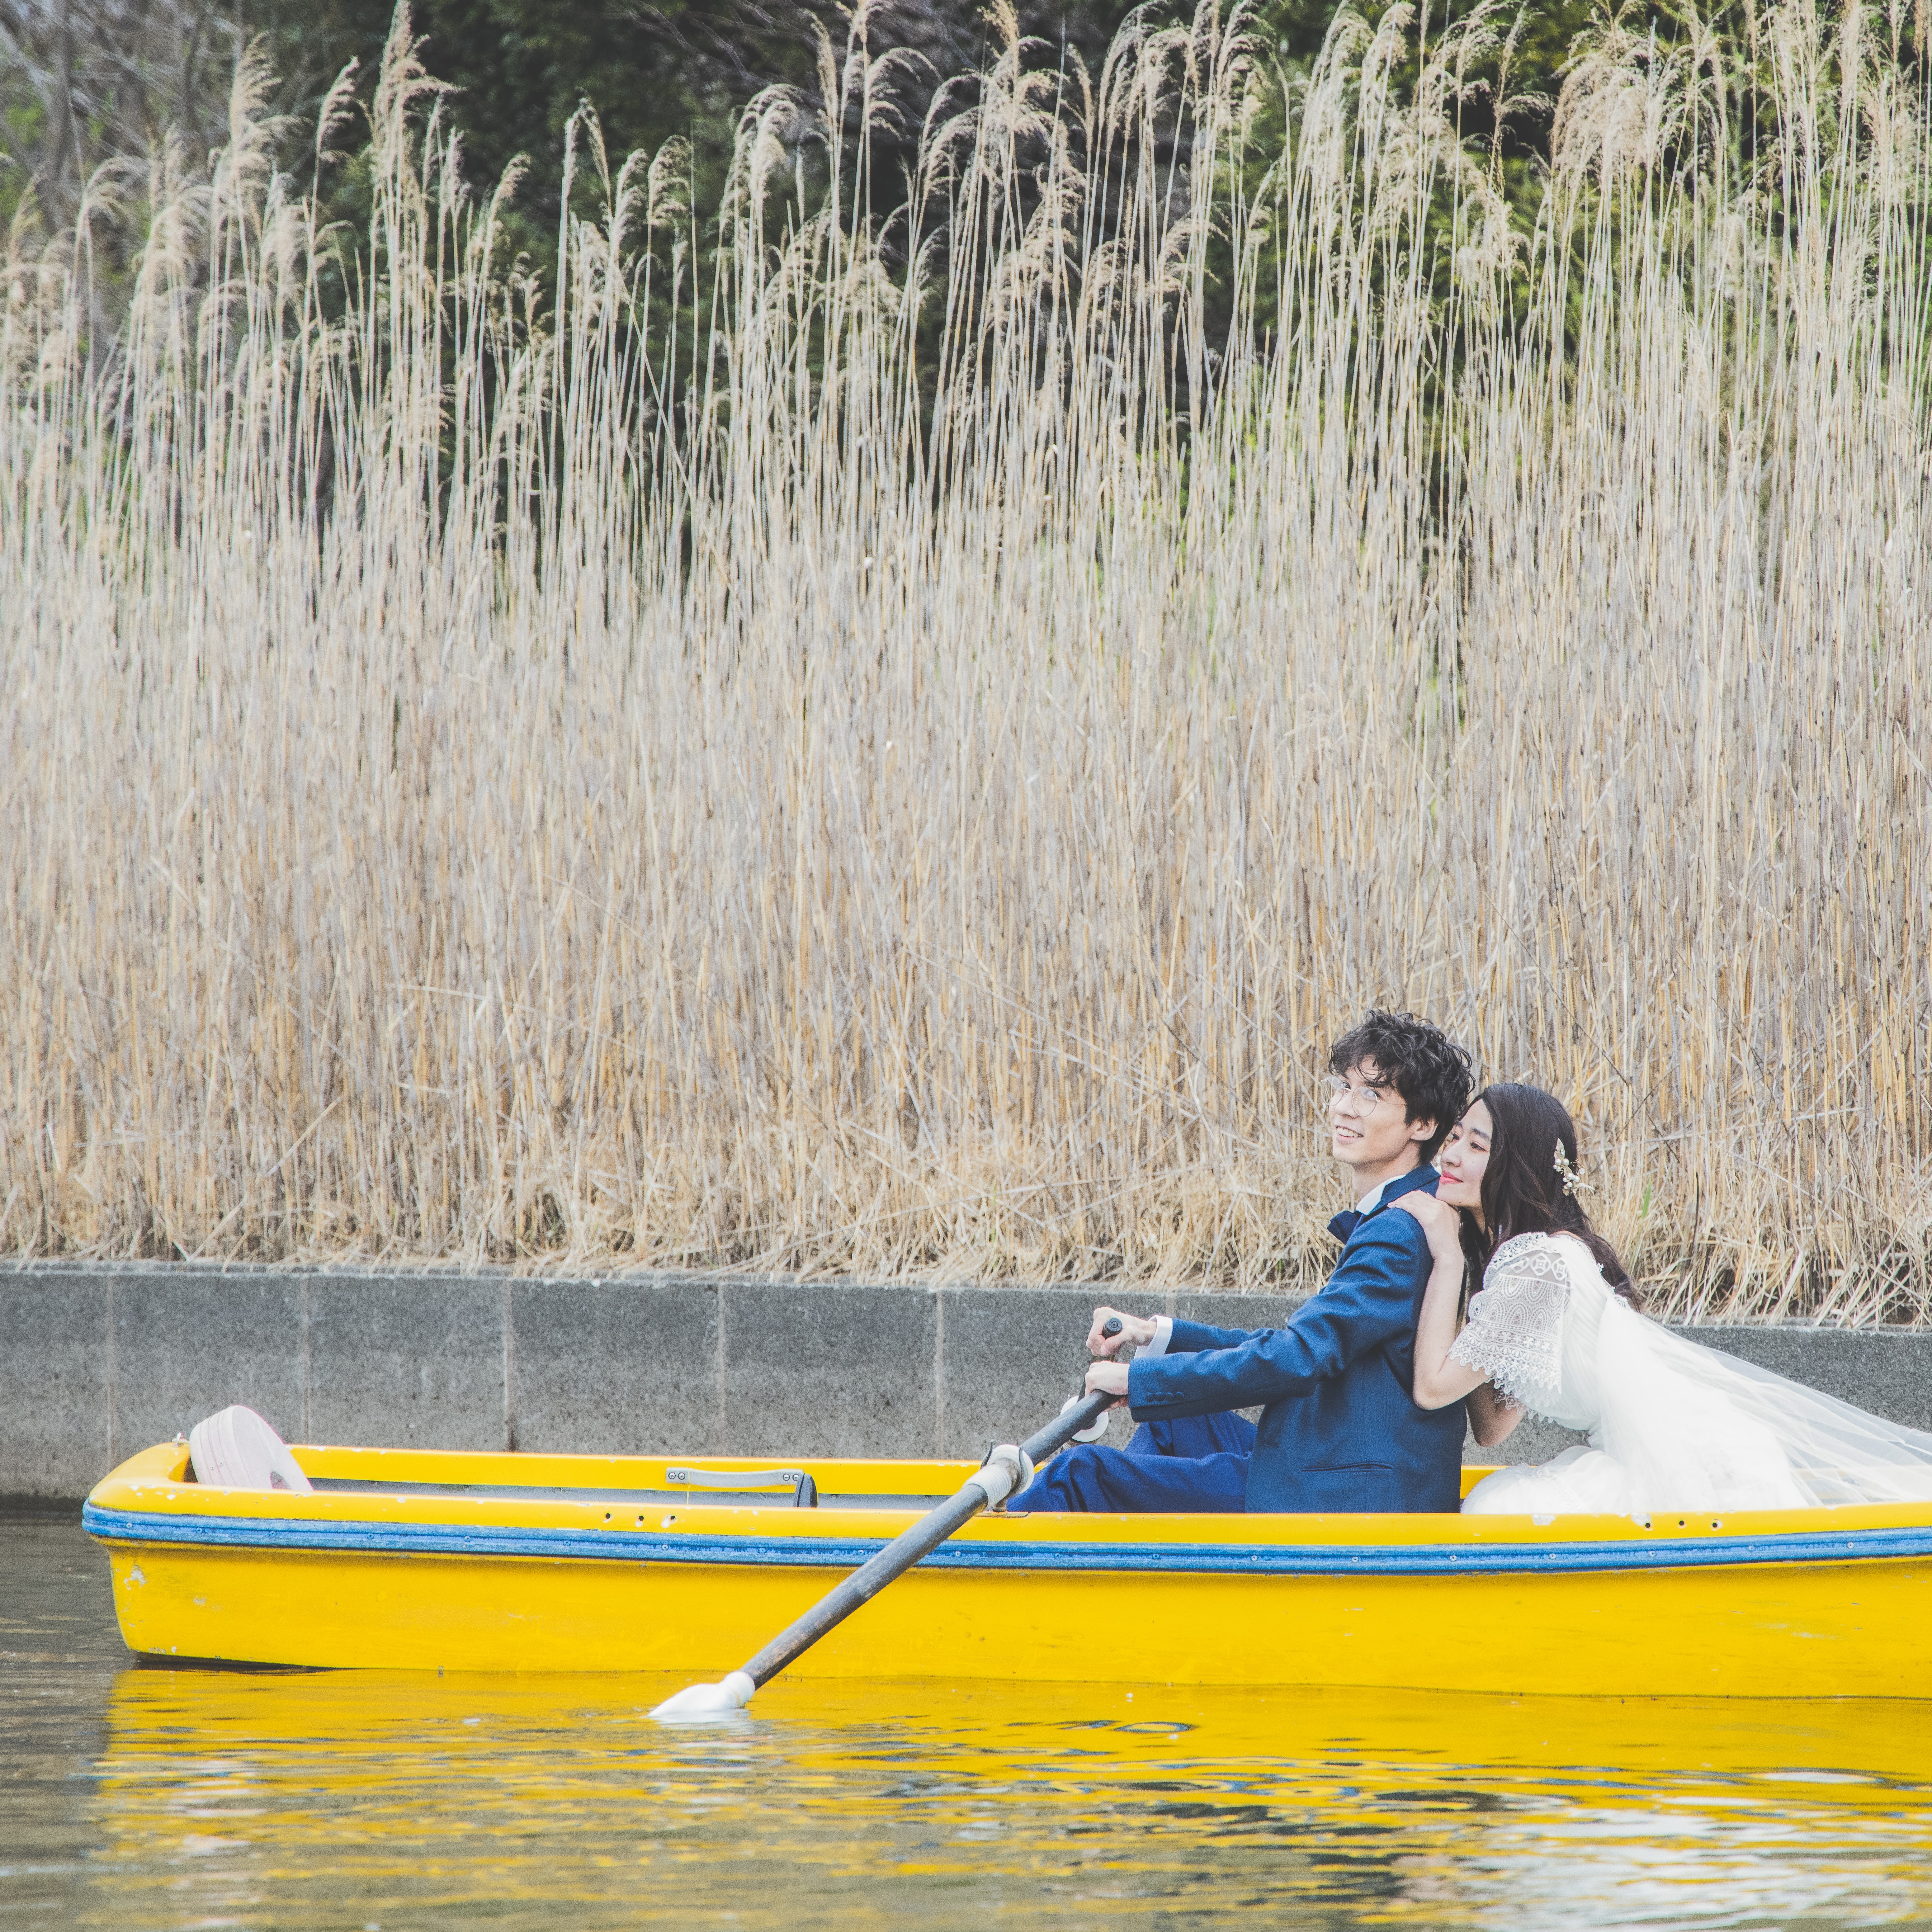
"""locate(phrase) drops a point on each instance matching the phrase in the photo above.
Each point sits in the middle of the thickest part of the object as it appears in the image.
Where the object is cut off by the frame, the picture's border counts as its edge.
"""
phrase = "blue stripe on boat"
(845, 1553)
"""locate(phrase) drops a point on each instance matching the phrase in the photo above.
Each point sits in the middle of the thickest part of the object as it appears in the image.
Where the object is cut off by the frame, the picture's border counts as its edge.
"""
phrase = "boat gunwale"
(748, 1548)
(152, 1498)
(157, 1483)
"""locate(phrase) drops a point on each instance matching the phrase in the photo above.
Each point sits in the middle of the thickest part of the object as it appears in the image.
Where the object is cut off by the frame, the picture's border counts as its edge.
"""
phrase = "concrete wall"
(97, 1362)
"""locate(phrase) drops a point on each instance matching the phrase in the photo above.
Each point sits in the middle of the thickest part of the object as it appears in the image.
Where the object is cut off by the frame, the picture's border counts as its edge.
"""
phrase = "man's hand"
(1107, 1379)
(1137, 1329)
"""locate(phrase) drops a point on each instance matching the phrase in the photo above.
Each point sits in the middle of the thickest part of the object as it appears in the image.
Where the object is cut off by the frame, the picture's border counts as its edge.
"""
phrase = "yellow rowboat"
(444, 1560)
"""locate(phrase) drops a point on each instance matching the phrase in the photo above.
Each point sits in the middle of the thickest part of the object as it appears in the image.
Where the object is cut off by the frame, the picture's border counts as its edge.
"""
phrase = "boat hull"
(520, 1577)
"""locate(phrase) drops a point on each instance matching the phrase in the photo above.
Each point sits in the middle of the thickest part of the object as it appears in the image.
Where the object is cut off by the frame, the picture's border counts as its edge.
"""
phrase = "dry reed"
(899, 762)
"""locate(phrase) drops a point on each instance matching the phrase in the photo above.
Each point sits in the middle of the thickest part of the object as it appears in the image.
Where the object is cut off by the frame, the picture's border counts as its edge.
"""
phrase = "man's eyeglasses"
(1360, 1101)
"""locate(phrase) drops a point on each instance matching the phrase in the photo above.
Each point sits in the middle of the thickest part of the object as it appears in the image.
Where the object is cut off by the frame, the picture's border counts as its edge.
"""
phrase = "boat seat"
(804, 1490)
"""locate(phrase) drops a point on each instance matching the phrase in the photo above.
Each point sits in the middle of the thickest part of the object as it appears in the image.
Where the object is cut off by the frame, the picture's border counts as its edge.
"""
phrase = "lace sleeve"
(1515, 1332)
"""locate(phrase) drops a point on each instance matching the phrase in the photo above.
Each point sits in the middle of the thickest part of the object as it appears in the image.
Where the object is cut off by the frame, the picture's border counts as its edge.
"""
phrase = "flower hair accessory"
(1573, 1183)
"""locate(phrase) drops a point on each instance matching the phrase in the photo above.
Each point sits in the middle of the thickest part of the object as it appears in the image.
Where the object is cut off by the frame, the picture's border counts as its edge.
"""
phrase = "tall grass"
(898, 757)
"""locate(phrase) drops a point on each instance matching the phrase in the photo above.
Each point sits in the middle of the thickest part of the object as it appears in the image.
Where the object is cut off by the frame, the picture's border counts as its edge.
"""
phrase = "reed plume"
(892, 744)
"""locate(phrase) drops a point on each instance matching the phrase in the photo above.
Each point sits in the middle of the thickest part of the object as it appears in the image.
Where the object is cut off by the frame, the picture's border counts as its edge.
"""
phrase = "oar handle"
(1062, 1429)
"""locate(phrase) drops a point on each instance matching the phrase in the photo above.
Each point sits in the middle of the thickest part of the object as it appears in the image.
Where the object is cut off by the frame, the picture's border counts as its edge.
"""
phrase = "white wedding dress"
(1672, 1425)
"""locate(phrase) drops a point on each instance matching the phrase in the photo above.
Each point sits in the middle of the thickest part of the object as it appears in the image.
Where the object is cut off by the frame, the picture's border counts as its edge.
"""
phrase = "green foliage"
(518, 71)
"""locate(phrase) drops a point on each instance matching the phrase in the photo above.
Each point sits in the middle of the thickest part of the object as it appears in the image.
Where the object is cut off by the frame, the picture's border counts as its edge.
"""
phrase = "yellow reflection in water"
(357, 1799)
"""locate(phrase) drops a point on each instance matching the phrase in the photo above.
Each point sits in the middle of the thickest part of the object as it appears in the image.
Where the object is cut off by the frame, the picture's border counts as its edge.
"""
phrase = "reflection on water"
(149, 1798)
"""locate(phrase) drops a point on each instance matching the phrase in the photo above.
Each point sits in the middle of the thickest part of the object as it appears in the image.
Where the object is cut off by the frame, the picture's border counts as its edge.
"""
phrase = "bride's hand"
(1440, 1223)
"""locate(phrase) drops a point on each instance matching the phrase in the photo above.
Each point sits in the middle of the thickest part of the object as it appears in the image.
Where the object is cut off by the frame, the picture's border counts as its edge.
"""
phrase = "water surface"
(136, 1796)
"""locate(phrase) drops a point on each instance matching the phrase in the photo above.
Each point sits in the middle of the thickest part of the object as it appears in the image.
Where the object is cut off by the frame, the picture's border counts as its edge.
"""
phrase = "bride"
(1557, 1330)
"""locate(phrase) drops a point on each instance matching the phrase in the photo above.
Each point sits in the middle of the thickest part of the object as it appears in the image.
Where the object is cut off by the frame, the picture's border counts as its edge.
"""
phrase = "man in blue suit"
(1339, 1429)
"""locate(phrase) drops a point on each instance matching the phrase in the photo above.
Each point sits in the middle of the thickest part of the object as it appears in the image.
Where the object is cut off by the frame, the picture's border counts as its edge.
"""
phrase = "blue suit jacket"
(1340, 1431)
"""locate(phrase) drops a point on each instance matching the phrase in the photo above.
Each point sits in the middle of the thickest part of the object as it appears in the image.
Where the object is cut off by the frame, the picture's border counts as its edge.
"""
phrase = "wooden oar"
(1006, 1470)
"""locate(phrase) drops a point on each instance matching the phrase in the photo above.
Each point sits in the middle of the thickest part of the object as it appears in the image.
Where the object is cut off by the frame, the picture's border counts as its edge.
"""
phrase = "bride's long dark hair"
(1523, 1186)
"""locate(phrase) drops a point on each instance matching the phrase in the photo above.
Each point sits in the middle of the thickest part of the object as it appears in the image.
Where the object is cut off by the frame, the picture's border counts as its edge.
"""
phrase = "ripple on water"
(177, 1797)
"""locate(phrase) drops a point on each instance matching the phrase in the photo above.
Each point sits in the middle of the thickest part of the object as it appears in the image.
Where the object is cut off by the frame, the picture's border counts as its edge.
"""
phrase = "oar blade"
(704, 1703)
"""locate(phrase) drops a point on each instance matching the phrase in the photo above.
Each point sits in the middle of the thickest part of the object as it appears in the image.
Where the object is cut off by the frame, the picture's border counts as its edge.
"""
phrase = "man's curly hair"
(1417, 1059)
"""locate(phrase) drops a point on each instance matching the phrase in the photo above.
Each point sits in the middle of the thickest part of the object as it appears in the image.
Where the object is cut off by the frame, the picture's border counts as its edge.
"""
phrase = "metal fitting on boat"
(1006, 1471)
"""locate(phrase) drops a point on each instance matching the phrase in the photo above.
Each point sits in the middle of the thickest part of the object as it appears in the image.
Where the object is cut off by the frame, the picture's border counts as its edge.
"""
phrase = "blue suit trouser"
(1198, 1465)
